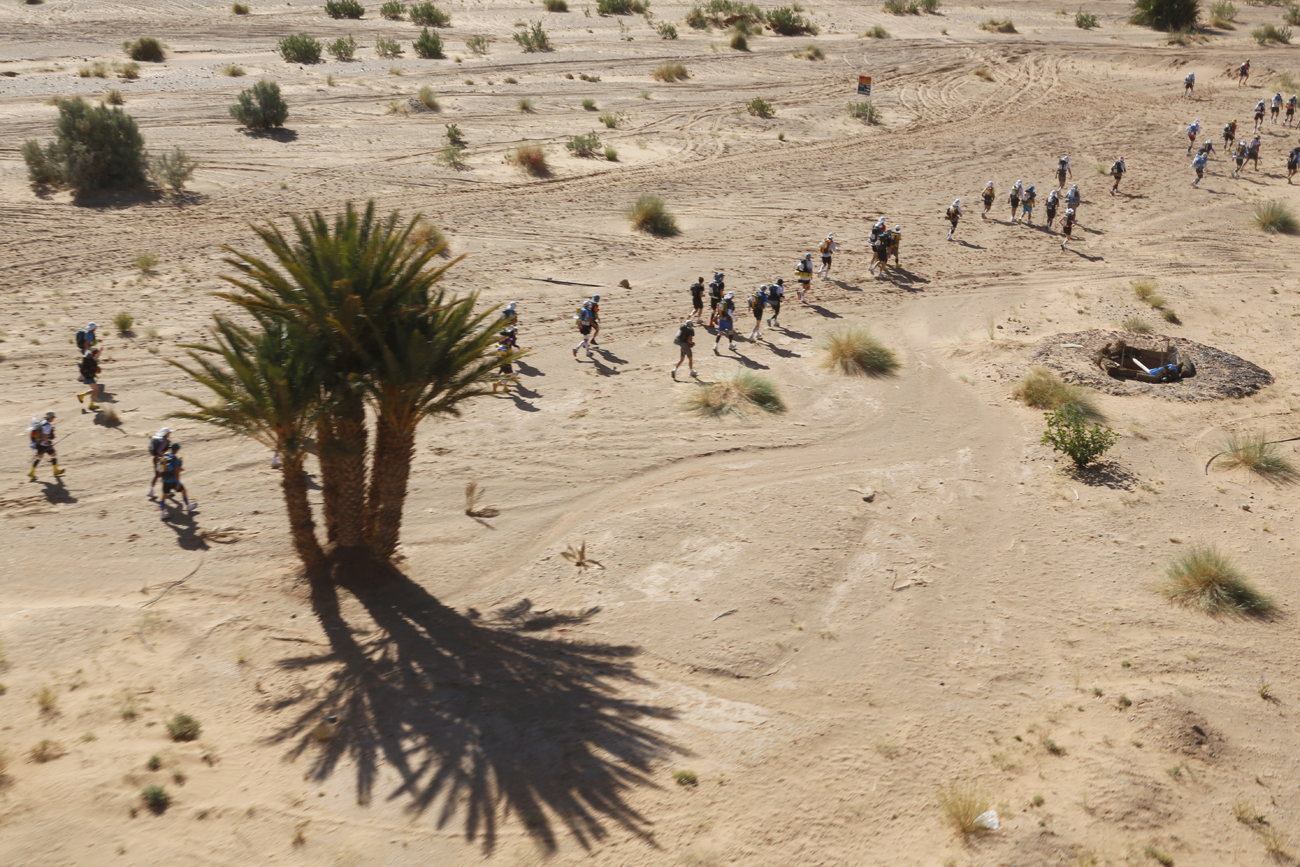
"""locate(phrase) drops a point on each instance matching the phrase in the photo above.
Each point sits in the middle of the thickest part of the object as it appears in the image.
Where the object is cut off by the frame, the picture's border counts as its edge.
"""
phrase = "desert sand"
(826, 615)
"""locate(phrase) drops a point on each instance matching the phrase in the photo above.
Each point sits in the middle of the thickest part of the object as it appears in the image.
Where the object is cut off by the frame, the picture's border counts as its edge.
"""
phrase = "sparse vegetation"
(526, 105)
(810, 52)
(98, 69)
(183, 727)
(46, 751)
(114, 97)
(589, 104)
(760, 107)
(666, 30)
(865, 111)
(877, 32)
(129, 71)
(584, 145)
(1124, 702)
(1160, 857)
(786, 21)
(1204, 578)
(146, 49)
(428, 46)
(1275, 843)
(1069, 431)
(854, 350)
(155, 798)
(650, 214)
(1292, 16)
(388, 48)
(556, 6)
(1275, 217)
(239, 9)
(1171, 15)
(1144, 289)
(428, 235)
(685, 778)
(994, 25)
(611, 153)
(1136, 325)
(1086, 20)
(478, 45)
(621, 7)
(1044, 389)
(736, 394)
(172, 170)
(344, 9)
(1252, 453)
(1271, 33)
(1244, 811)
(428, 98)
(393, 10)
(428, 15)
(739, 42)
(233, 70)
(722, 13)
(1222, 14)
(94, 148)
(533, 38)
(153, 763)
(609, 119)
(261, 107)
(47, 700)
(962, 803)
(670, 72)
(531, 159)
(299, 48)
(343, 48)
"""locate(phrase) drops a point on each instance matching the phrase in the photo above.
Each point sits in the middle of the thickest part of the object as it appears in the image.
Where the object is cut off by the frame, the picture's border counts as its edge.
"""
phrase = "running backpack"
(952, 212)
(157, 447)
(81, 340)
(686, 332)
(825, 247)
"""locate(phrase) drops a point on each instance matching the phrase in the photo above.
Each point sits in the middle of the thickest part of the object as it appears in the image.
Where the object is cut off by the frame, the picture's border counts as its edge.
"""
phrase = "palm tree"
(427, 365)
(267, 388)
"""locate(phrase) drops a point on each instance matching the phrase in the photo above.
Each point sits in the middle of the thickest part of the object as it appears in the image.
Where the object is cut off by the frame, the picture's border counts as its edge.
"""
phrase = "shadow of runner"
(476, 719)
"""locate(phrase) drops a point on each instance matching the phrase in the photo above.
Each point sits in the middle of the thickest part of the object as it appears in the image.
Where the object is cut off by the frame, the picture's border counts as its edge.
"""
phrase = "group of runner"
(1023, 198)
(1243, 151)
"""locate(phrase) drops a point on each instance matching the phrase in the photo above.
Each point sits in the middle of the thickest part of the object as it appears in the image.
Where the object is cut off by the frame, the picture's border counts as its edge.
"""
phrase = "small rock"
(868, 495)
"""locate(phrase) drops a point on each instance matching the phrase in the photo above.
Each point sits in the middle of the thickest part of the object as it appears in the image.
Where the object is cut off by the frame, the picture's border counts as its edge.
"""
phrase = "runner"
(1229, 135)
(1189, 85)
(1239, 154)
(1067, 225)
(583, 318)
(1117, 170)
(1252, 152)
(89, 368)
(716, 288)
(1274, 107)
(757, 301)
(685, 339)
(1192, 129)
(775, 292)
(697, 300)
(726, 325)
(41, 434)
(1290, 108)
(510, 316)
(803, 272)
(1199, 165)
(1063, 169)
(595, 319)
(169, 469)
(879, 250)
(506, 372)
(158, 444)
(1027, 199)
(827, 249)
(987, 195)
(1243, 73)
(1207, 147)
(87, 338)
(1014, 199)
(1053, 199)
(954, 216)
(1072, 197)
(893, 240)
(1292, 160)
(1259, 115)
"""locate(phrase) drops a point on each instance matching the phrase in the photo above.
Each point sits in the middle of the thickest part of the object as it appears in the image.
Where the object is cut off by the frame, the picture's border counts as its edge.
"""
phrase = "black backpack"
(81, 340)
(686, 332)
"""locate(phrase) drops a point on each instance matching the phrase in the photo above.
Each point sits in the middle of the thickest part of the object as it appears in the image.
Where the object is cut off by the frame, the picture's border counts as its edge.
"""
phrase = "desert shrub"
(609, 119)
(864, 111)
(393, 10)
(787, 21)
(736, 394)
(344, 9)
(686, 778)
(1292, 16)
(877, 32)
(962, 803)
(129, 71)
(428, 235)
(478, 44)
(172, 170)
(1251, 452)
(556, 6)
(1070, 432)
(983, 74)
(183, 727)
(1202, 577)
(428, 46)
(1144, 288)
(760, 107)
(123, 322)
(47, 751)
(146, 49)
(855, 351)
(533, 38)
(739, 42)
(621, 7)
(453, 155)
(611, 153)
(1166, 14)
(589, 104)
(388, 48)
(428, 15)
(531, 159)
(1043, 389)
(526, 105)
(299, 48)
(145, 262)
(902, 7)
(1222, 14)
(454, 135)
(696, 19)
(398, 106)
(155, 798)
(1136, 325)
(1275, 216)
(650, 214)
(670, 72)
(584, 145)
(95, 148)
(239, 9)
(930, 7)
(811, 52)
(1085, 20)
(98, 69)
(588, 77)
(261, 106)
(666, 30)
(343, 48)
(234, 70)
(1271, 33)
(114, 97)
(721, 13)
(428, 98)
(993, 25)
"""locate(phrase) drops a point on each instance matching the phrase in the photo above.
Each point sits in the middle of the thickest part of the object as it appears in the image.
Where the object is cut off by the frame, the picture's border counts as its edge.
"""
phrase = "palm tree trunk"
(394, 448)
(347, 465)
(301, 525)
(327, 447)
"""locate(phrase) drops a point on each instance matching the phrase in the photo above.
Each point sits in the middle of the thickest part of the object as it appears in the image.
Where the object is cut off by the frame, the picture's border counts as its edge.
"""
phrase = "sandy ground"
(823, 664)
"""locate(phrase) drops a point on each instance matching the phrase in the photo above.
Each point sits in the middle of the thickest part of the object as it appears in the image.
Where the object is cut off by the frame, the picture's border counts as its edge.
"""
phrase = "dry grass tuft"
(670, 72)
(1136, 325)
(428, 235)
(1251, 452)
(531, 159)
(1043, 389)
(738, 394)
(962, 803)
(993, 25)
(854, 351)
(983, 74)
(650, 214)
(47, 751)
(473, 505)
(1275, 217)
(1202, 577)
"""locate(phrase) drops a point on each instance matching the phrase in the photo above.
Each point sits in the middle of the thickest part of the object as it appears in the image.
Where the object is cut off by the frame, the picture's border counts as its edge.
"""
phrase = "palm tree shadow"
(480, 721)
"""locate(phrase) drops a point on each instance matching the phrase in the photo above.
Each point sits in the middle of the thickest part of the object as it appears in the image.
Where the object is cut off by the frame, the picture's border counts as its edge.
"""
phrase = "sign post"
(864, 85)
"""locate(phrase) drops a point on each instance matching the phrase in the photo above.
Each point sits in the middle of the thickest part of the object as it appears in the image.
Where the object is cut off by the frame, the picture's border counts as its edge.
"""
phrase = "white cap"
(898, 228)
(91, 327)
(49, 414)
(956, 201)
(162, 432)
(512, 305)
(830, 234)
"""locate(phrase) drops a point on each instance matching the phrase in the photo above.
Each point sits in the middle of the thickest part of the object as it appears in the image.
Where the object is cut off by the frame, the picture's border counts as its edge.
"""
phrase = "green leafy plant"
(388, 48)
(650, 214)
(183, 727)
(239, 9)
(172, 170)
(760, 107)
(1086, 20)
(299, 48)
(864, 111)
(1069, 431)
(533, 38)
(786, 21)
(146, 49)
(94, 148)
(478, 44)
(666, 30)
(261, 106)
(453, 155)
(428, 46)
(155, 798)
(584, 145)
(670, 72)
(1292, 16)
(343, 48)
(1172, 15)
(344, 9)
(393, 10)
(428, 15)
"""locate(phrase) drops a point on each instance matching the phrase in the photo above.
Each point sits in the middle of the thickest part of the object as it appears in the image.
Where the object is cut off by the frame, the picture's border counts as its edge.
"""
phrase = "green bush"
(902, 7)
(261, 106)
(930, 7)
(344, 9)
(584, 145)
(428, 15)
(557, 6)
(172, 170)
(760, 107)
(478, 44)
(155, 798)
(1271, 33)
(388, 48)
(129, 71)
(787, 21)
(183, 727)
(864, 111)
(735, 394)
(696, 19)
(1222, 13)
(393, 10)
(343, 48)
(1085, 20)
(1292, 16)
(299, 48)
(651, 215)
(670, 72)
(723, 13)
(1166, 14)
(95, 148)
(428, 46)
(533, 38)
(666, 30)
(239, 8)
(1068, 431)
(611, 154)
(621, 7)
(454, 135)
(428, 98)
(145, 49)
(609, 119)
(589, 104)
(1203, 577)
(739, 42)
(877, 32)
